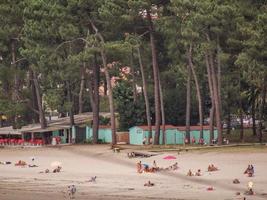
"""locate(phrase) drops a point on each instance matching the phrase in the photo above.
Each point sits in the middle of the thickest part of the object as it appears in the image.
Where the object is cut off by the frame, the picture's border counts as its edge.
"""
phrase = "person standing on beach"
(144, 140)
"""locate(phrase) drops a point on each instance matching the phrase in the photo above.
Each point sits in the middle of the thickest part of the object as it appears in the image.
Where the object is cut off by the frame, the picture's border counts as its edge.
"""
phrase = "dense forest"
(154, 62)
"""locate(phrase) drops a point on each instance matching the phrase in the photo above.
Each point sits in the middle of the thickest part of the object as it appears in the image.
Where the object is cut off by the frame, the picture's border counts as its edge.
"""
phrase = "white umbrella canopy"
(56, 164)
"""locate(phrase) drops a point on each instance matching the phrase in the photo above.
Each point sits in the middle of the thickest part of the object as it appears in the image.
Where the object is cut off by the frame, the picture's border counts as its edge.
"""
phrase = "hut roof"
(193, 128)
(9, 131)
(53, 125)
(146, 128)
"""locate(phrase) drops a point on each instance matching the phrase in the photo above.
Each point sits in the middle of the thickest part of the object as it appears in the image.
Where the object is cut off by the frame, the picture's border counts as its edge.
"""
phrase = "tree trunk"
(217, 104)
(228, 131)
(39, 101)
(15, 91)
(212, 110)
(15, 94)
(105, 88)
(253, 116)
(148, 117)
(133, 75)
(156, 79)
(71, 114)
(110, 98)
(200, 110)
(82, 84)
(228, 119)
(241, 125)
(216, 95)
(96, 74)
(262, 107)
(188, 103)
(93, 84)
(162, 114)
(109, 87)
(34, 103)
(219, 73)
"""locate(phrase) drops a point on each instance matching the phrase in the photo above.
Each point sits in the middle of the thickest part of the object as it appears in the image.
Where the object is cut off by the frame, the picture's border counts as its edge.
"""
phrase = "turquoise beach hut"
(138, 133)
(195, 132)
(104, 133)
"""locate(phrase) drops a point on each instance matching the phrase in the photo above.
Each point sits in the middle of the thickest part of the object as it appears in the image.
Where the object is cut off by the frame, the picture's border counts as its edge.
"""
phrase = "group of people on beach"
(142, 167)
(211, 168)
(21, 163)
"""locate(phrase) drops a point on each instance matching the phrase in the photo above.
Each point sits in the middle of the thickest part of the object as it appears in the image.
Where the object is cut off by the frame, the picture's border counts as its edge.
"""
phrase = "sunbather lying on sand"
(45, 171)
(236, 181)
(5, 163)
(21, 163)
(32, 166)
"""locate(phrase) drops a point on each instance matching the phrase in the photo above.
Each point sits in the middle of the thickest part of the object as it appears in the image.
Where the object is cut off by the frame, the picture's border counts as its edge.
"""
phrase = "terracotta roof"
(145, 128)
(180, 128)
(193, 128)
(105, 126)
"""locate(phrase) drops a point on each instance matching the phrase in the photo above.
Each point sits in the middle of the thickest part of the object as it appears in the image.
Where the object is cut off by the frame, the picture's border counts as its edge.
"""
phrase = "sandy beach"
(117, 177)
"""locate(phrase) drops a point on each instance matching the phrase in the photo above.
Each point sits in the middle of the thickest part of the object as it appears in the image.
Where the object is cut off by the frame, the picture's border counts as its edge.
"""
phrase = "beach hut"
(104, 133)
(138, 133)
(195, 132)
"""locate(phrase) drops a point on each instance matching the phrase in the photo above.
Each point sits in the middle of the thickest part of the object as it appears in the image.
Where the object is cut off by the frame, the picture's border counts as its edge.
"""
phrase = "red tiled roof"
(180, 128)
(104, 126)
(193, 128)
(145, 128)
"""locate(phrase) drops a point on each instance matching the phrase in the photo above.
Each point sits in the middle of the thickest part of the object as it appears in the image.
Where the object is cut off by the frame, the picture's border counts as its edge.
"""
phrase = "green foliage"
(130, 113)
(55, 39)
(104, 120)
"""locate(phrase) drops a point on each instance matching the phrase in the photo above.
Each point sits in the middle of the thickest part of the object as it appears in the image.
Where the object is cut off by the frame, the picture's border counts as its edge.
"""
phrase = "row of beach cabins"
(60, 132)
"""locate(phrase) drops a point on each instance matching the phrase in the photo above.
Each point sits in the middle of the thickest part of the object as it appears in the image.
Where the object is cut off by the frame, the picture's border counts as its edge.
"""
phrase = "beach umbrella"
(56, 164)
(169, 157)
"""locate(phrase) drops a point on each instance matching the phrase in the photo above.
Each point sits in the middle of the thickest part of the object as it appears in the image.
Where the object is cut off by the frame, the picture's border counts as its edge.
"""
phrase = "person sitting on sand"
(250, 190)
(57, 170)
(249, 171)
(175, 166)
(145, 167)
(212, 168)
(190, 173)
(149, 184)
(21, 163)
(198, 173)
(139, 167)
(154, 166)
